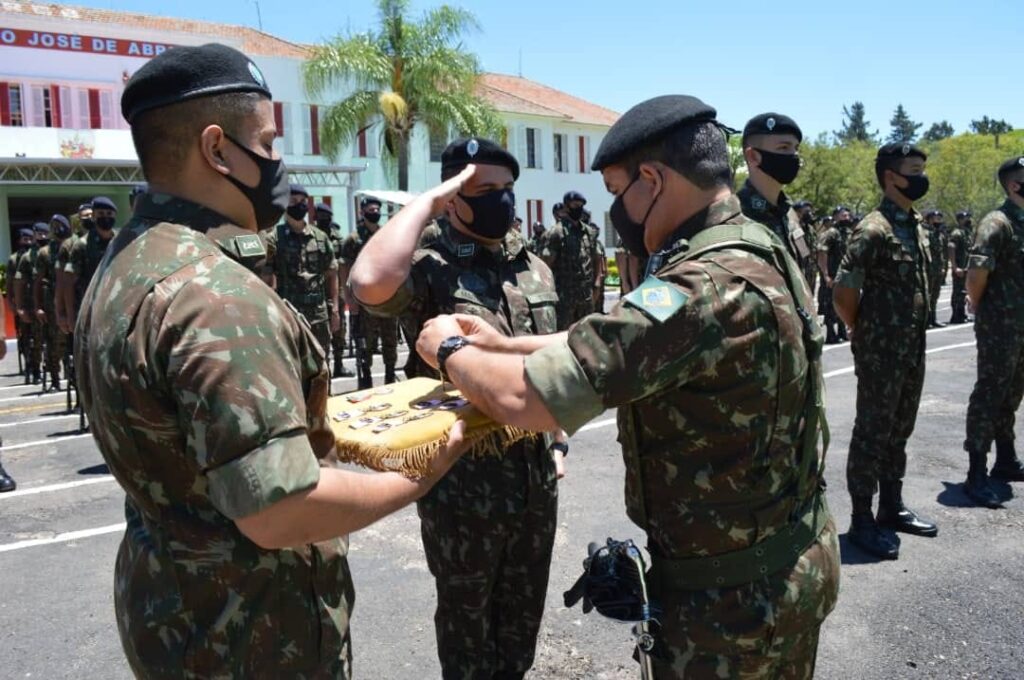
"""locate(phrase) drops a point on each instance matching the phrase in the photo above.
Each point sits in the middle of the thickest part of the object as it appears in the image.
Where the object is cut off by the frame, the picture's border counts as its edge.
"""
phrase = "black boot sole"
(982, 502)
(874, 553)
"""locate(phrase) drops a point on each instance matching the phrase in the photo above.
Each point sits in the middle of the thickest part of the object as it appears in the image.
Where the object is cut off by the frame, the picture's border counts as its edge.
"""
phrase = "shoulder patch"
(249, 245)
(657, 299)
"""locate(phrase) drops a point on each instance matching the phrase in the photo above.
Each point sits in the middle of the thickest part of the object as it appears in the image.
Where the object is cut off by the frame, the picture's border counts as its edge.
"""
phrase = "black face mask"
(916, 188)
(105, 223)
(324, 223)
(631, 233)
(372, 218)
(1020, 190)
(493, 213)
(782, 167)
(269, 198)
(844, 224)
(88, 223)
(576, 213)
(298, 211)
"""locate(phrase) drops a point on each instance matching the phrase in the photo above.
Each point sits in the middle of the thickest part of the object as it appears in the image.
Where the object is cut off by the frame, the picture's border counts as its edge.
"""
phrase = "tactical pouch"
(613, 582)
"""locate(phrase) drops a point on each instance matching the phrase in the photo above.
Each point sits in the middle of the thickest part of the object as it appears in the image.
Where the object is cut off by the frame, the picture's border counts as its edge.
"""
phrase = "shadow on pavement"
(953, 496)
(851, 554)
(100, 469)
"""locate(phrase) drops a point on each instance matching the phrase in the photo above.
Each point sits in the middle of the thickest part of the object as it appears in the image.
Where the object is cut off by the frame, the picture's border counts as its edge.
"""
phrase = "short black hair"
(1010, 173)
(883, 164)
(162, 136)
(698, 152)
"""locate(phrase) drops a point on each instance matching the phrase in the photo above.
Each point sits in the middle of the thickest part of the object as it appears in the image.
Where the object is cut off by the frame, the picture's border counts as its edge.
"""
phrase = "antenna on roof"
(520, 62)
(259, 15)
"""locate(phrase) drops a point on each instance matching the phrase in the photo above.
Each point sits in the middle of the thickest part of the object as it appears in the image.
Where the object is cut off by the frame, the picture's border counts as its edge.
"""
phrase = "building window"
(362, 144)
(561, 151)
(279, 119)
(12, 112)
(532, 147)
(95, 109)
(438, 143)
(534, 213)
(311, 129)
(41, 110)
(583, 153)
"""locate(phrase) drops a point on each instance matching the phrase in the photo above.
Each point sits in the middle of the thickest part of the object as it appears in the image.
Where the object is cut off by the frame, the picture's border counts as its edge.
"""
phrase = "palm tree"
(406, 72)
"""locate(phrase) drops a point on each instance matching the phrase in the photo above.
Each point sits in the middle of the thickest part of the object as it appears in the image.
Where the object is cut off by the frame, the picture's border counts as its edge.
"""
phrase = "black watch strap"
(448, 348)
(560, 446)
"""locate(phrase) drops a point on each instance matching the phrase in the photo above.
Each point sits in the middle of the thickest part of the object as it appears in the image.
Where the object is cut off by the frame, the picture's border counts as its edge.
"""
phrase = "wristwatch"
(448, 348)
(560, 446)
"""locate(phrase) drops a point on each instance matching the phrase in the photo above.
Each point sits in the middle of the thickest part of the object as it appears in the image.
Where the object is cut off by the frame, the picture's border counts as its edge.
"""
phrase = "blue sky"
(941, 59)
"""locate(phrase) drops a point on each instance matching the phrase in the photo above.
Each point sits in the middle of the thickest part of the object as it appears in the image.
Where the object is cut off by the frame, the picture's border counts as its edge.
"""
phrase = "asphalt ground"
(950, 607)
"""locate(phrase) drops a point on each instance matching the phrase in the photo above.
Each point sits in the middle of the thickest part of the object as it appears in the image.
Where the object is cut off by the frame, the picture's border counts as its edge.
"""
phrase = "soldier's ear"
(212, 147)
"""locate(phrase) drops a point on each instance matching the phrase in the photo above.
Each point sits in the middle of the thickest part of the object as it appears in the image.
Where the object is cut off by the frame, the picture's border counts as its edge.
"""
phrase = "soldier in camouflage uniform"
(7, 482)
(771, 148)
(86, 253)
(718, 470)
(831, 249)
(959, 246)
(24, 302)
(44, 288)
(995, 282)
(489, 526)
(207, 394)
(805, 211)
(881, 292)
(937, 246)
(302, 267)
(325, 223)
(536, 242)
(374, 328)
(570, 250)
(25, 239)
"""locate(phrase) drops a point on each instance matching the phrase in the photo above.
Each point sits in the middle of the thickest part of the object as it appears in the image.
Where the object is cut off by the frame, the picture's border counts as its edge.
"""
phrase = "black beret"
(103, 202)
(139, 189)
(183, 73)
(85, 206)
(1015, 163)
(649, 121)
(60, 219)
(557, 207)
(478, 150)
(369, 200)
(323, 207)
(900, 150)
(803, 204)
(41, 228)
(839, 209)
(297, 189)
(771, 124)
(574, 196)
(26, 232)
(963, 213)
(932, 213)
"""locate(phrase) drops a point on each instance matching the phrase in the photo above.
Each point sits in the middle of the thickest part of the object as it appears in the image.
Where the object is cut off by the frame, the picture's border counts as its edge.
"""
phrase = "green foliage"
(855, 126)
(990, 126)
(404, 72)
(903, 128)
(938, 131)
(834, 174)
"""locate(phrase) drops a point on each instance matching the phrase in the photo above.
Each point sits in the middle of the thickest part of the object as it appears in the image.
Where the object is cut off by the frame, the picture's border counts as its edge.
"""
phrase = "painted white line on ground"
(38, 395)
(850, 369)
(947, 329)
(101, 479)
(44, 419)
(63, 538)
(40, 442)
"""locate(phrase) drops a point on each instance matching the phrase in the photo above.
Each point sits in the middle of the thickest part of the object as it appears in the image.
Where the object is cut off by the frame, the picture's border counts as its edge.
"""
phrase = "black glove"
(613, 582)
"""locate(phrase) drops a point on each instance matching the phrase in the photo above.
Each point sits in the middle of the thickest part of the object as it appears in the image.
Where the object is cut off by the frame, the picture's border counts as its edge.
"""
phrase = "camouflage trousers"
(935, 280)
(35, 334)
(56, 343)
(338, 339)
(888, 394)
(570, 310)
(811, 274)
(491, 573)
(377, 329)
(991, 412)
(959, 300)
(765, 629)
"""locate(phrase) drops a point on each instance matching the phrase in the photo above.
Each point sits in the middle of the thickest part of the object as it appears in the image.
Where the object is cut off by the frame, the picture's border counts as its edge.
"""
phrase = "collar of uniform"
(1014, 212)
(306, 229)
(463, 246)
(753, 201)
(897, 216)
(718, 212)
(234, 240)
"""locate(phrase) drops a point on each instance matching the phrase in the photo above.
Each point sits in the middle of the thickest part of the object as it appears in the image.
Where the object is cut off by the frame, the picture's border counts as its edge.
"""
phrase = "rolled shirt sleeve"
(860, 254)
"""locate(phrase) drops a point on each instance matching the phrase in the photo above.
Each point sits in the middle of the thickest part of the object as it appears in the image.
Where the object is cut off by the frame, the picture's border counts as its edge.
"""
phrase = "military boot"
(830, 334)
(55, 382)
(7, 482)
(868, 536)
(389, 375)
(339, 368)
(892, 514)
(977, 487)
(1008, 466)
(934, 322)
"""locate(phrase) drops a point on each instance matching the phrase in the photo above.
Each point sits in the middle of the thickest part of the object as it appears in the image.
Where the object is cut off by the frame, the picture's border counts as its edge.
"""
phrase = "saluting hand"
(446, 191)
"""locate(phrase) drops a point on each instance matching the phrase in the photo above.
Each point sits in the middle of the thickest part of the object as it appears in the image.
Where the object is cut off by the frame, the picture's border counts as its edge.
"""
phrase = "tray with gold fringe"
(402, 427)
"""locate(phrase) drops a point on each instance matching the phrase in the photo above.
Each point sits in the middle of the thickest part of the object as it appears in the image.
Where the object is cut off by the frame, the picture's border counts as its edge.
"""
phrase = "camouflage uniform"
(719, 429)
(887, 261)
(811, 266)
(207, 397)
(338, 338)
(782, 220)
(46, 269)
(999, 329)
(489, 525)
(570, 250)
(301, 263)
(833, 244)
(34, 327)
(960, 242)
(84, 257)
(375, 328)
(937, 243)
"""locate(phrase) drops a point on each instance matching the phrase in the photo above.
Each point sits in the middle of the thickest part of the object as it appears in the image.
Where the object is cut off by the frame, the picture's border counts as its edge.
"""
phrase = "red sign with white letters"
(66, 42)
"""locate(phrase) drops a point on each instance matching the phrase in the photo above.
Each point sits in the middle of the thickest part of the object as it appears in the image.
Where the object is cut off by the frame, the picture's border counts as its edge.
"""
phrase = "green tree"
(903, 128)
(833, 174)
(963, 168)
(399, 74)
(991, 126)
(855, 126)
(938, 131)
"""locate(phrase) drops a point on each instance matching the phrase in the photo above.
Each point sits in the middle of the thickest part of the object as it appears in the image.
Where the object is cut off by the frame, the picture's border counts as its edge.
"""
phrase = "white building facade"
(63, 140)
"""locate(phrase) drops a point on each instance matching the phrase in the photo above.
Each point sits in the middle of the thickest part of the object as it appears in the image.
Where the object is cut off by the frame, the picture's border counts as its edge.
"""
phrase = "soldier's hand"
(452, 451)
(559, 459)
(434, 332)
(41, 315)
(335, 322)
(479, 332)
(446, 191)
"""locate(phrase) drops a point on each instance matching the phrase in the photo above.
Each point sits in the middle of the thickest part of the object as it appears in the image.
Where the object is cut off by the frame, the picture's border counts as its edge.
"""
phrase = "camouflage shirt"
(513, 291)
(887, 261)
(570, 250)
(999, 248)
(301, 263)
(707, 365)
(46, 271)
(781, 219)
(207, 397)
(960, 240)
(25, 271)
(937, 242)
(83, 259)
(833, 244)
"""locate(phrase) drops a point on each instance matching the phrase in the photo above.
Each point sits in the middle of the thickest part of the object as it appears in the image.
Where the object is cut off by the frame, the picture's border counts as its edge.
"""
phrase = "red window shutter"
(583, 153)
(5, 104)
(279, 118)
(540, 211)
(55, 106)
(361, 138)
(95, 121)
(529, 211)
(327, 200)
(314, 128)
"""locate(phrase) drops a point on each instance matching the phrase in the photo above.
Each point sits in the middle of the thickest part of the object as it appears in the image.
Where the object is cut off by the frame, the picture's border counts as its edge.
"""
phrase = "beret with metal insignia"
(103, 202)
(900, 150)
(771, 124)
(1015, 163)
(478, 151)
